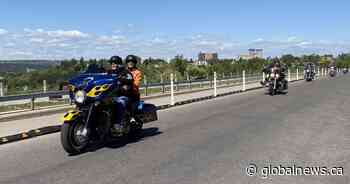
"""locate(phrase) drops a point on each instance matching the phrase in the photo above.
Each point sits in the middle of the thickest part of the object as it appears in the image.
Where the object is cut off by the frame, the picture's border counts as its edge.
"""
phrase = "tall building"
(256, 53)
(253, 53)
(204, 58)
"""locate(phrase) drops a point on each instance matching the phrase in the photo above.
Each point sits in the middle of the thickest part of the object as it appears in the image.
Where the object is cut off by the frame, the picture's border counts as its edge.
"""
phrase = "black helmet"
(131, 58)
(116, 60)
(276, 62)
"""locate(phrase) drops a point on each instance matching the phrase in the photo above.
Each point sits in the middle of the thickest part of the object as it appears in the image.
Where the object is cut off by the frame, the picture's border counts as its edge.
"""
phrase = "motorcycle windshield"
(93, 74)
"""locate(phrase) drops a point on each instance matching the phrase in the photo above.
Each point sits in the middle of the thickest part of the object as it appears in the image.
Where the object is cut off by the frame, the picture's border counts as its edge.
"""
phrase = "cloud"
(37, 40)
(62, 44)
(10, 44)
(292, 39)
(21, 54)
(304, 43)
(3, 31)
(67, 34)
(158, 41)
(259, 40)
(111, 40)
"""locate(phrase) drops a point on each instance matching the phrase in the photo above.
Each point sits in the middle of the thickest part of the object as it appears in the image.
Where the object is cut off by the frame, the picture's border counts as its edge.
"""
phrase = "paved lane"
(208, 142)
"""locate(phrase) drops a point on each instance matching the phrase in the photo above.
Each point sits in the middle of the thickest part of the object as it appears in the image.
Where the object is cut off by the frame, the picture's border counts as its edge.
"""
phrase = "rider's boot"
(117, 129)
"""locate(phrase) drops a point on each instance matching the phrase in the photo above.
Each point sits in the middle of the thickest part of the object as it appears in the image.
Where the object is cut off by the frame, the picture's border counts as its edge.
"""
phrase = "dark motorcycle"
(332, 71)
(274, 83)
(345, 71)
(92, 118)
(309, 75)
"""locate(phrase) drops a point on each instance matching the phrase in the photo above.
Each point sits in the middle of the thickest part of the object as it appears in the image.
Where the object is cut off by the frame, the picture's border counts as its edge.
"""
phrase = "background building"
(253, 53)
(204, 58)
(256, 53)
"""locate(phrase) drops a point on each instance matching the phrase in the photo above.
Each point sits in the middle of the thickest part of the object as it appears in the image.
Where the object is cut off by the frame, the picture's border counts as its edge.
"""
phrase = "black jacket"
(125, 81)
(267, 69)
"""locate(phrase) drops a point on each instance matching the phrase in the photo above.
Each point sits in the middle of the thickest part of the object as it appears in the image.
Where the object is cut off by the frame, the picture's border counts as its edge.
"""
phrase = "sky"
(41, 29)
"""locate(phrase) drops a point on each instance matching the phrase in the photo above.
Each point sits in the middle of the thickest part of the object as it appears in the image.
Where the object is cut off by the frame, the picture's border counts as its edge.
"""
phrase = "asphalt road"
(208, 142)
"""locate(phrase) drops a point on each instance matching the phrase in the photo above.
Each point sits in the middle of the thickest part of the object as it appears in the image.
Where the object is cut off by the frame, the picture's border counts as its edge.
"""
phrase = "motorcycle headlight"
(277, 75)
(307, 70)
(80, 96)
(272, 75)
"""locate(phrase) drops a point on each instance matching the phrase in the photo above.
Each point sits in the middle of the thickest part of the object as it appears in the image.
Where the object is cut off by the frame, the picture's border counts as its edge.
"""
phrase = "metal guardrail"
(164, 88)
(143, 87)
(32, 95)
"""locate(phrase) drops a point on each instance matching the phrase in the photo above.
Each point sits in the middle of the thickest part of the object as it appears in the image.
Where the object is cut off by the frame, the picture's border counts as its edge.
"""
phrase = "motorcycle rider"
(332, 64)
(281, 68)
(122, 94)
(309, 66)
(131, 61)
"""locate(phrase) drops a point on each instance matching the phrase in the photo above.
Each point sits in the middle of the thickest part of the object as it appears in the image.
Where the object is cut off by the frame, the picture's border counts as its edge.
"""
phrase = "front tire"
(271, 91)
(70, 141)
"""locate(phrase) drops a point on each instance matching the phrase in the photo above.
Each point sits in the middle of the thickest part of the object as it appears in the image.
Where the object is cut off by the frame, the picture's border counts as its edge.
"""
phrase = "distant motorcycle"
(332, 71)
(275, 84)
(345, 71)
(309, 75)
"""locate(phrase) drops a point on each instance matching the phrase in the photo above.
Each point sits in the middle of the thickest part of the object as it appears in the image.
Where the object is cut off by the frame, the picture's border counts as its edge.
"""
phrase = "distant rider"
(279, 67)
(122, 94)
(311, 68)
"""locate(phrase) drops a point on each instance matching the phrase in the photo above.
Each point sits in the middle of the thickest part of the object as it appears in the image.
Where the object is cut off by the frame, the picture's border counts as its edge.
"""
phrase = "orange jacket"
(137, 76)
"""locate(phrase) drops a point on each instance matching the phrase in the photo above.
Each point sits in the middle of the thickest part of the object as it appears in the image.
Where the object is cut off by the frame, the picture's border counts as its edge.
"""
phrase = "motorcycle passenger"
(131, 61)
(280, 68)
(122, 94)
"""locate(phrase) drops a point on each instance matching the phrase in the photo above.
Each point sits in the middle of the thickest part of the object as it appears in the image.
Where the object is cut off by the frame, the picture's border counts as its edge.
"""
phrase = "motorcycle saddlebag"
(147, 113)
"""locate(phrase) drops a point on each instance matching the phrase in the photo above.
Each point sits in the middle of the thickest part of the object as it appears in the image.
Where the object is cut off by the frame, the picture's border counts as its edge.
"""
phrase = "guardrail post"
(177, 84)
(289, 79)
(322, 72)
(297, 73)
(263, 76)
(215, 92)
(1, 89)
(32, 104)
(223, 78)
(188, 80)
(146, 85)
(243, 80)
(230, 79)
(44, 86)
(162, 83)
(211, 83)
(172, 101)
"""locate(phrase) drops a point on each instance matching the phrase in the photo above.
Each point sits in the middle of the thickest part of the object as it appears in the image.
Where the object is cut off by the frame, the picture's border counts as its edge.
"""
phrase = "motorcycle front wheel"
(272, 91)
(136, 127)
(74, 138)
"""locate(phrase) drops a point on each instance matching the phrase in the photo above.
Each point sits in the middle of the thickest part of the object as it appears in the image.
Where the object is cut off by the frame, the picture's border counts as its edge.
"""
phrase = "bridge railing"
(39, 100)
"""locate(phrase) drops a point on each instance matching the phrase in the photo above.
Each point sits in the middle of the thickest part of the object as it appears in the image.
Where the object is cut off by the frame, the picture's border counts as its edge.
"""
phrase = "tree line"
(158, 70)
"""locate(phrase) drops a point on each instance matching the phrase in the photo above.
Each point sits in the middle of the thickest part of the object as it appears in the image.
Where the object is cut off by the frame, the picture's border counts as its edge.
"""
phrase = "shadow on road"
(144, 134)
(278, 93)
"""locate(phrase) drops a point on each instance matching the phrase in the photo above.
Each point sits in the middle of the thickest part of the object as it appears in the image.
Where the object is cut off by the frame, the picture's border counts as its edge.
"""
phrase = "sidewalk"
(24, 125)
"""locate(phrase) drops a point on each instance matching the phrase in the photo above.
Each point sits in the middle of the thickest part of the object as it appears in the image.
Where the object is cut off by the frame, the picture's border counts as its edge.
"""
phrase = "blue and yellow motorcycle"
(92, 118)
